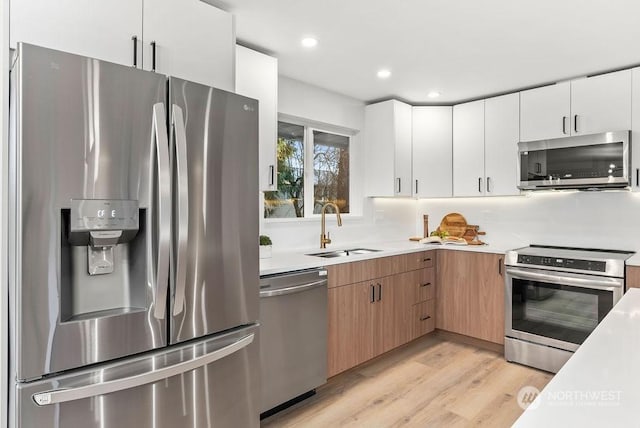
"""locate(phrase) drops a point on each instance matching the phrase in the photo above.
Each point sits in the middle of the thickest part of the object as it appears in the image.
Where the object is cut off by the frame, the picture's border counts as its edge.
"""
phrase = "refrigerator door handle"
(180, 136)
(160, 145)
(63, 395)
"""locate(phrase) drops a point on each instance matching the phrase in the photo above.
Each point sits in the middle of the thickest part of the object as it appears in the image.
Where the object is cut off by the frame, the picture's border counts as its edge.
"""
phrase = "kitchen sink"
(344, 253)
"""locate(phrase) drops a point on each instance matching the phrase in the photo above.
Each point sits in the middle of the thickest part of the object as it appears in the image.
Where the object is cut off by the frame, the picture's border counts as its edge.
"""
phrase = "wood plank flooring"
(431, 382)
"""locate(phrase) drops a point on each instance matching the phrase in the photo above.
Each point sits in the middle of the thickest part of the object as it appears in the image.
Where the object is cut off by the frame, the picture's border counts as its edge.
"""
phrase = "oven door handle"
(606, 284)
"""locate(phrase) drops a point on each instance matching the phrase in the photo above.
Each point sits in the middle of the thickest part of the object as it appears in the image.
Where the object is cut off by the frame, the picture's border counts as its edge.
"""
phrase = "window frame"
(308, 146)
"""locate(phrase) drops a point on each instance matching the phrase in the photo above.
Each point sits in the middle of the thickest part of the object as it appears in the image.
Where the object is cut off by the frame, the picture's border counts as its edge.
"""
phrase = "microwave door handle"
(64, 395)
(160, 145)
(592, 283)
(180, 136)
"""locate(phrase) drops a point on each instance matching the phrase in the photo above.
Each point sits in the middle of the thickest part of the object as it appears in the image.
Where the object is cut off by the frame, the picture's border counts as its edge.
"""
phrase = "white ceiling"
(463, 48)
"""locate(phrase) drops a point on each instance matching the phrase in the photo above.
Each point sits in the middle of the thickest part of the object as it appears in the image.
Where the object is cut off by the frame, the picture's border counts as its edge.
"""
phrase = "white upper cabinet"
(193, 41)
(635, 130)
(583, 106)
(388, 149)
(99, 29)
(545, 112)
(468, 149)
(501, 126)
(601, 103)
(432, 152)
(257, 77)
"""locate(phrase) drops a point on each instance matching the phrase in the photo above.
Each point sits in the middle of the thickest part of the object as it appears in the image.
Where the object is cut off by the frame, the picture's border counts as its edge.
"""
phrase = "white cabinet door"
(257, 77)
(432, 152)
(601, 103)
(545, 112)
(402, 120)
(635, 130)
(501, 127)
(468, 149)
(388, 149)
(98, 29)
(193, 41)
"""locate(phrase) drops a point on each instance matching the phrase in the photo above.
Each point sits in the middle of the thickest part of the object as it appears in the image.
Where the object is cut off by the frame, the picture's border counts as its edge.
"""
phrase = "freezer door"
(214, 148)
(88, 154)
(204, 384)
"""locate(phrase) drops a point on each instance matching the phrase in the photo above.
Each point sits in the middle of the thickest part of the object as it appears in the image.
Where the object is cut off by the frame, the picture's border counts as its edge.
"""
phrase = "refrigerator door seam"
(70, 394)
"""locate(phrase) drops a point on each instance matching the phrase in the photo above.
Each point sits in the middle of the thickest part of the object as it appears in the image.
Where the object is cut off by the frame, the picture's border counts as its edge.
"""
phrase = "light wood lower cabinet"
(632, 277)
(470, 294)
(371, 317)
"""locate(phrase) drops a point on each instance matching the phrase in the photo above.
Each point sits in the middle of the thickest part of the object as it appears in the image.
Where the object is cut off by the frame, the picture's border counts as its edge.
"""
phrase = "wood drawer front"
(632, 279)
(423, 318)
(423, 259)
(426, 285)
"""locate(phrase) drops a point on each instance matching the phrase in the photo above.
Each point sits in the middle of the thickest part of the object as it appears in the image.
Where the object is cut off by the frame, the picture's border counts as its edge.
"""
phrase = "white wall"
(372, 220)
(580, 219)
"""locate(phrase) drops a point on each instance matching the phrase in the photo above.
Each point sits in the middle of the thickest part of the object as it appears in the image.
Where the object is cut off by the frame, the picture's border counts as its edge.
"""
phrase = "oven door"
(557, 309)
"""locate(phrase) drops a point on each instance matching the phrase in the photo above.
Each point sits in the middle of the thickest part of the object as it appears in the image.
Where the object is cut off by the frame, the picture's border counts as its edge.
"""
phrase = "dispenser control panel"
(103, 214)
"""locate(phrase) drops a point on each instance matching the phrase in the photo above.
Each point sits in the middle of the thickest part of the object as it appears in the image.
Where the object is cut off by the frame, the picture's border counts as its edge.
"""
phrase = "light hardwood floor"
(430, 382)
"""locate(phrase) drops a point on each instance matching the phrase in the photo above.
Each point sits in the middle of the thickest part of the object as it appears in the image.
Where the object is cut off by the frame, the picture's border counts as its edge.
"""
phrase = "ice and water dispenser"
(103, 248)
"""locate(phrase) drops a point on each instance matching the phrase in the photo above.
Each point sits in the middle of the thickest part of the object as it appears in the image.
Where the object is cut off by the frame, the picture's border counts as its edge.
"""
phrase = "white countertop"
(298, 260)
(600, 385)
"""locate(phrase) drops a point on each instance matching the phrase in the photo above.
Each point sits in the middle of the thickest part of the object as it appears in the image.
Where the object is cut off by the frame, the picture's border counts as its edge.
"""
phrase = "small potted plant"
(265, 247)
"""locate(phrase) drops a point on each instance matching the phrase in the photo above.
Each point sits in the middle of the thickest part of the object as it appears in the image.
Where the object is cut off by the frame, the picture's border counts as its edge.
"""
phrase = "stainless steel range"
(555, 297)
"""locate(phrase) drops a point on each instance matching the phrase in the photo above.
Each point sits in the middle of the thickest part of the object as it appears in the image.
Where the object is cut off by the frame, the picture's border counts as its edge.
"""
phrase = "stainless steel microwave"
(580, 162)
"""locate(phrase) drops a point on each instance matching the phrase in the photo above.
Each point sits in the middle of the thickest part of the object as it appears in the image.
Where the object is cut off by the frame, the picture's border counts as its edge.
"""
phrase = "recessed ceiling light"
(433, 94)
(309, 42)
(384, 74)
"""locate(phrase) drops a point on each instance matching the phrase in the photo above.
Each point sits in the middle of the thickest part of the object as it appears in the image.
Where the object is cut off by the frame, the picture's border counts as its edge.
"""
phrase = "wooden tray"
(455, 224)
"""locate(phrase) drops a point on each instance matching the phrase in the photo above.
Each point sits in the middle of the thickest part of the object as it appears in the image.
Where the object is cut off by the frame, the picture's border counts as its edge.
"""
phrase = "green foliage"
(265, 240)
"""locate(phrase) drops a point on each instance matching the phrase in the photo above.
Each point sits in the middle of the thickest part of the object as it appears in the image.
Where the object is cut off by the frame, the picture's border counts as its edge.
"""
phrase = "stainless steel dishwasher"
(293, 337)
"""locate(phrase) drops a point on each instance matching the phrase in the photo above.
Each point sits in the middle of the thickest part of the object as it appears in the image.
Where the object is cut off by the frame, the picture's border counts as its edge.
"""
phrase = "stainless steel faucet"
(324, 237)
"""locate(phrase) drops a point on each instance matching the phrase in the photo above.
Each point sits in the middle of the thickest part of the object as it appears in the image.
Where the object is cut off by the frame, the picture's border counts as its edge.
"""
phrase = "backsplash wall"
(581, 219)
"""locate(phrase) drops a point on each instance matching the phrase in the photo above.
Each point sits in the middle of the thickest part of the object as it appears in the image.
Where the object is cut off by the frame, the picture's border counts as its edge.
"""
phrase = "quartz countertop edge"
(289, 261)
(598, 386)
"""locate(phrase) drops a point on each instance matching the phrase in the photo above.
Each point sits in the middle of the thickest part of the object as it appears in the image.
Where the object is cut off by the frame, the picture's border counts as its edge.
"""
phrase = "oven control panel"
(577, 264)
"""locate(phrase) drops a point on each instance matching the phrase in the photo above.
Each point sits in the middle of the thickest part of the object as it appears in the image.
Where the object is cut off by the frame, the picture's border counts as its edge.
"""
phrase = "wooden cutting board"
(455, 224)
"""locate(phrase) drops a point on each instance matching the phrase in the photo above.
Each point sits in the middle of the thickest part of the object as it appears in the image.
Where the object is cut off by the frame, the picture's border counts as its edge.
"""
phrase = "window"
(313, 169)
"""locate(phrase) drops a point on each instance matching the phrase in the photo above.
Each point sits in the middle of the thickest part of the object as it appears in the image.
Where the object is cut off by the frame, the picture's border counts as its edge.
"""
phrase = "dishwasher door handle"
(293, 289)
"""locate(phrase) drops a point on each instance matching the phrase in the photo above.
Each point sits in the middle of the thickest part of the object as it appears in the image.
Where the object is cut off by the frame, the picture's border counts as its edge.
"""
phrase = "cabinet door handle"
(373, 293)
(564, 125)
(416, 187)
(637, 177)
(575, 123)
(479, 184)
(153, 56)
(538, 167)
(425, 284)
(425, 318)
(500, 266)
(399, 184)
(272, 170)
(135, 51)
(488, 184)
(379, 292)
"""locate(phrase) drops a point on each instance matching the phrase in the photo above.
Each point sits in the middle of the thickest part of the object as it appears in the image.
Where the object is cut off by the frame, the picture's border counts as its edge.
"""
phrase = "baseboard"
(468, 340)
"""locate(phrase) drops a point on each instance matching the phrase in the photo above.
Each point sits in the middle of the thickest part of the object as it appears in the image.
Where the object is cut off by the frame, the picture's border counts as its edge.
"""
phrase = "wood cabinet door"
(193, 41)
(632, 277)
(545, 112)
(98, 29)
(470, 294)
(350, 326)
(432, 152)
(257, 77)
(601, 103)
(501, 135)
(468, 149)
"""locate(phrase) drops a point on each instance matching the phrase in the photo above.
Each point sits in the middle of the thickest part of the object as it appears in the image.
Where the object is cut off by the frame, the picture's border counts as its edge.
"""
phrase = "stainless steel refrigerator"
(134, 259)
